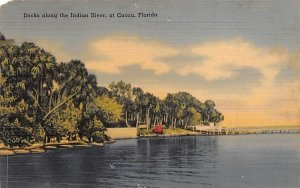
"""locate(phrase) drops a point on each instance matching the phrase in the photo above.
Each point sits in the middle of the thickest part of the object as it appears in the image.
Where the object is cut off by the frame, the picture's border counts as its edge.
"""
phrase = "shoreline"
(236, 131)
(40, 148)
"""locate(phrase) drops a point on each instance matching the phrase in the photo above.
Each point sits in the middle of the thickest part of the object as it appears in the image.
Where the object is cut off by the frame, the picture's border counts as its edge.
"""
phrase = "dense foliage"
(175, 110)
(41, 99)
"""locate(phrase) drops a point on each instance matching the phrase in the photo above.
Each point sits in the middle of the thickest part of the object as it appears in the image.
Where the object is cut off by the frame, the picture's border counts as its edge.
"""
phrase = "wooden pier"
(214, 130)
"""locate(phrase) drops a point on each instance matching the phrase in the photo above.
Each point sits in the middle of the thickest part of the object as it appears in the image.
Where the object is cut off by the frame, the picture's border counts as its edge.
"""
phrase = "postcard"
(137, 93)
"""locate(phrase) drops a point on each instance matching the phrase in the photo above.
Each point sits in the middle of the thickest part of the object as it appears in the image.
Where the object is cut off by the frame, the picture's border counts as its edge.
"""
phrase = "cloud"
(222, 59)
(291, 70)
(266, 102)
(115, 52)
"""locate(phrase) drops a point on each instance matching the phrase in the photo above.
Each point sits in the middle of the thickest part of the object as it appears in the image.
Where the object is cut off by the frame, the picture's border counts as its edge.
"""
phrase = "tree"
(73, 83)
(15, 114)
(122, 92)
(195, 117)
(110, 110)
(91, 127)
(30, 73)
(14, 122)
(101, 112)
(65, 120)
(139, 103)
(151, 104)
(209, 107)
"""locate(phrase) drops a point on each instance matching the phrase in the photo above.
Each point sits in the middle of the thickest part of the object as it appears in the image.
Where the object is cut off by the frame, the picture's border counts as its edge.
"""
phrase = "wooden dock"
(209, 130)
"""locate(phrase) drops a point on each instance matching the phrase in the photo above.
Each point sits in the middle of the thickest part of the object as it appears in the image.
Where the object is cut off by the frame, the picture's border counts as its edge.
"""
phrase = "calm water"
(209, 161)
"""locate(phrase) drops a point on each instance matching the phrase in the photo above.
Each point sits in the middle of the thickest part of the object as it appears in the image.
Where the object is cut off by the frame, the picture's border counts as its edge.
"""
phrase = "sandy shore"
(5, 152)
(122, 133)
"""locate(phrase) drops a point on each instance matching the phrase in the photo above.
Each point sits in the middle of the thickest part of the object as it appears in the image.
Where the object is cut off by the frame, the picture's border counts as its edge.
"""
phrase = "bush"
(158, 129)
(98, 137)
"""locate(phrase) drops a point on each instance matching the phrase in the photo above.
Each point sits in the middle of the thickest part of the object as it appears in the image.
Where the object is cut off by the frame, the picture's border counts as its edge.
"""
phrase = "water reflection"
(178, 161)
(238, 161)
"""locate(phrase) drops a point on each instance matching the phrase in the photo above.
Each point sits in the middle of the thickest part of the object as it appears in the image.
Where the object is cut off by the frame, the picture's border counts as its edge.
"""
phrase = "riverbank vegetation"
(167, 133)
(42, 100)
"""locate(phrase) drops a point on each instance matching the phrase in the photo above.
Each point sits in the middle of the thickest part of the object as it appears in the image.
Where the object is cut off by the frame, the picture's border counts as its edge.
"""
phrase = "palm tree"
(123, 93)
(8, 51)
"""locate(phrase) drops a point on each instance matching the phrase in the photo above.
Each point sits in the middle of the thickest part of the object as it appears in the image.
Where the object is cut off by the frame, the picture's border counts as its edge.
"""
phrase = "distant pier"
(214, 130)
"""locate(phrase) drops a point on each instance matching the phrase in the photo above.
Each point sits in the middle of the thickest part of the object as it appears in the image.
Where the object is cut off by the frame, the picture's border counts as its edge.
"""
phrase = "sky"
(242, 54)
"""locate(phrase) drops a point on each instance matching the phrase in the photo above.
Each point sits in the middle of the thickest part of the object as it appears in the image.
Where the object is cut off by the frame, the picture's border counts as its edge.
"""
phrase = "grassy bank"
(167, 132)
(223, 131)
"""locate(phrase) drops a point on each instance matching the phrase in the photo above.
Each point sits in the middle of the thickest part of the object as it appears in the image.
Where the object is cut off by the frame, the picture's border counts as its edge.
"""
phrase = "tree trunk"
(45, 139)
(137, 130)
(172, 122)
(45, 131)
(187, 121)
(147, 118)
(137, 119)
(174, 126)
(58, 106)
(155, 120)
(166, 120)
(126, 119)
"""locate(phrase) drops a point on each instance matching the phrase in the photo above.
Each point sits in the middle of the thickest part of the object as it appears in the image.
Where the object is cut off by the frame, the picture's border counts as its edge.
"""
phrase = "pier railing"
(209, 130)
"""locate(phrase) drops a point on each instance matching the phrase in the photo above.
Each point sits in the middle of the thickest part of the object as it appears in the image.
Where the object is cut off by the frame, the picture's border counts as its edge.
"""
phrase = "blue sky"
(243, 54)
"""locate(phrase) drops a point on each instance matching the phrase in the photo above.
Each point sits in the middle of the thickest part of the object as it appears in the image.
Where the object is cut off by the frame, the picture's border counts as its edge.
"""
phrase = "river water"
(256, 161)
